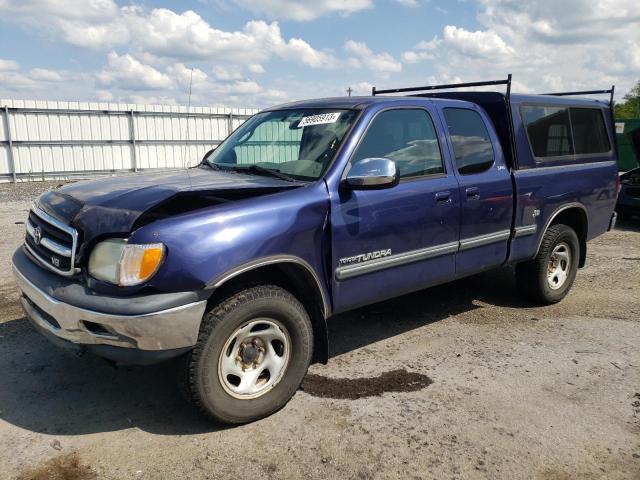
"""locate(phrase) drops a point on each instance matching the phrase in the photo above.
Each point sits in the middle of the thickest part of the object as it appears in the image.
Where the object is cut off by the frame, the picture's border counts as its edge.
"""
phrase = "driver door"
(402, 238)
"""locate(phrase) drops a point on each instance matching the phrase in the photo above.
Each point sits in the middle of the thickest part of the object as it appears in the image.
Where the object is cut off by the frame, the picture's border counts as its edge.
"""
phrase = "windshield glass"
(298, 143)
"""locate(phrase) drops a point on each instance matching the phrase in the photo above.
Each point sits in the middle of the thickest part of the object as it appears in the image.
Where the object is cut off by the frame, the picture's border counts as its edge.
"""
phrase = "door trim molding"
(350, 271)
(482, 240)
(524, 230)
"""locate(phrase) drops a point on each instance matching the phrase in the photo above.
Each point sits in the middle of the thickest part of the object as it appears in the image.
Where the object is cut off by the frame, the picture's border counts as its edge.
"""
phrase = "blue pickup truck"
(310, 209)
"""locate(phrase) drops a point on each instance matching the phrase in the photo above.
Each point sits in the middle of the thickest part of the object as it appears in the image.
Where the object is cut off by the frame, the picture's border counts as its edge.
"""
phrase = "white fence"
(44, 140)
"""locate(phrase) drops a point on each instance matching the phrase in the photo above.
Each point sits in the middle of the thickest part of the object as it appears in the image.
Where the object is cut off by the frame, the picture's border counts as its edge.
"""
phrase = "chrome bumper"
(163, 330)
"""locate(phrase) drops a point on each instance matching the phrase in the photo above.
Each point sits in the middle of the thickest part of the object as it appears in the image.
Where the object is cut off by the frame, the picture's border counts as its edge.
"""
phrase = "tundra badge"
(363, 257)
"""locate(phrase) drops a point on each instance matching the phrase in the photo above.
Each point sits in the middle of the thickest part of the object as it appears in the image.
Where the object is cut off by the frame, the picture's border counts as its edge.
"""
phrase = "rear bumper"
(133, 328)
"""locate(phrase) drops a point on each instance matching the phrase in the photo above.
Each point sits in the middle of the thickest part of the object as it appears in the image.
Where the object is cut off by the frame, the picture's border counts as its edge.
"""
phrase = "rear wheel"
(549, 276)
(253, 351)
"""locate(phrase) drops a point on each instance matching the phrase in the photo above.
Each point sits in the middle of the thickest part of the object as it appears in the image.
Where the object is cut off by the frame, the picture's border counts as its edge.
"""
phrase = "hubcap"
(254, 358)
(559, 266)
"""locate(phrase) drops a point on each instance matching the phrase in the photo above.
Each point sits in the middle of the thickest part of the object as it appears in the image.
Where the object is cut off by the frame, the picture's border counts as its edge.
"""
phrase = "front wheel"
(253, 351)
(549, 276)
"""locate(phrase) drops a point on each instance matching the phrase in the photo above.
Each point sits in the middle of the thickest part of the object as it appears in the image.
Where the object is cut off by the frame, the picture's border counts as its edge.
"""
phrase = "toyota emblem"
(37, 235)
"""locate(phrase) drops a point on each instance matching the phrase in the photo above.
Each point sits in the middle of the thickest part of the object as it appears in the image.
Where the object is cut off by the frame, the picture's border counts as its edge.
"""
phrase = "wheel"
(253, 350)
(549, 276)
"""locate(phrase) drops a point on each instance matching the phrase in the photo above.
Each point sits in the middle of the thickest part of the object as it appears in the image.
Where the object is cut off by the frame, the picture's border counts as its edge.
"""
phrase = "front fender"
(205, 245)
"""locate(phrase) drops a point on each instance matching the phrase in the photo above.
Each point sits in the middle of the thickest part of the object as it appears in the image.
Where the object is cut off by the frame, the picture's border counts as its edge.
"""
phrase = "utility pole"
(349, 91)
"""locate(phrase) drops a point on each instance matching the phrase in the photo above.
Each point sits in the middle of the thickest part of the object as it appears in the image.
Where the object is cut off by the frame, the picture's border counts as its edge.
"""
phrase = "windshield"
(297, 143)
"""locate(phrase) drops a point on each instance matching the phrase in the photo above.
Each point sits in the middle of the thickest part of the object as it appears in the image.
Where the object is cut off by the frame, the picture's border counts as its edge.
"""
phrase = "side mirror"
(373, 173)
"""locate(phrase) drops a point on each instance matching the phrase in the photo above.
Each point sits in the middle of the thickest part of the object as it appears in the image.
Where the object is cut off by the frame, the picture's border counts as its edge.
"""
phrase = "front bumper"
(128, 323)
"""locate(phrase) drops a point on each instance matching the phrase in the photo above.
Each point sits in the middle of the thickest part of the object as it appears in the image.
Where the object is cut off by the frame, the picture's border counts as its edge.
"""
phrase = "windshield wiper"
(269, 171)
(204, 163)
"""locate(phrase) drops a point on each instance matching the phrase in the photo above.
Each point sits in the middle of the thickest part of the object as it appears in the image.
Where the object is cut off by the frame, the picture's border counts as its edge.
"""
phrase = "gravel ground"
(25, 191)
(491, 387)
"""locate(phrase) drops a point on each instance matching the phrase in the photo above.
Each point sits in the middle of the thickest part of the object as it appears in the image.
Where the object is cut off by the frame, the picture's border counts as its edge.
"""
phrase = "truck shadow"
(367, 325)
(46, 390)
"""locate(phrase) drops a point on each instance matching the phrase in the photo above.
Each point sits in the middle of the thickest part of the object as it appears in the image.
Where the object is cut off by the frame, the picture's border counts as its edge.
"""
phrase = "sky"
(256, 53)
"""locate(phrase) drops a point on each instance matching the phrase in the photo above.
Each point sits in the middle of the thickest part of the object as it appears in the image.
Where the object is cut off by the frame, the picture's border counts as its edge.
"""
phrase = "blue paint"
(323, 221)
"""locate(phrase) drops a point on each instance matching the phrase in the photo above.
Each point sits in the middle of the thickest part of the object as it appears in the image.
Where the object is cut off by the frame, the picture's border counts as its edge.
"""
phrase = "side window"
(470, 139)
(406, 136)
(589, 132)
(548, 130)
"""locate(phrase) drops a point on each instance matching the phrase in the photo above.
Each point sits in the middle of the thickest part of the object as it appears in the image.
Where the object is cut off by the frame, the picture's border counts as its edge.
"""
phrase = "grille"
(51, 242)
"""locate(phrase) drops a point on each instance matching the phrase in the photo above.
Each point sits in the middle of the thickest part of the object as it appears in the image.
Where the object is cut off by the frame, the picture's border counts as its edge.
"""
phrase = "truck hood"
(113, 205)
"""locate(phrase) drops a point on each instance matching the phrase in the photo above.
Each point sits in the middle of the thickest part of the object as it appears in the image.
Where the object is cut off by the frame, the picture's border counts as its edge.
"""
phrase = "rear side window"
(589, 133)
(561, 131)
(548, 130)
(470, 138)
(406, 136)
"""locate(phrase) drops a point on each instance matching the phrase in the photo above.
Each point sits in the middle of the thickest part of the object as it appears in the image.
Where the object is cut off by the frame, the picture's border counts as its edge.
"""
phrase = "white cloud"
(362, 88)
(408, 3)
(422, 51)
(104, 95)
(46, 75)
(8, 65)
(547, 45)
(163, 33)
(475, 44)
(88, 24)
(378, 62)
(255, 68)
(13, 79)
(124, 71)
(69, 9)
(226, 74)
(303, 10)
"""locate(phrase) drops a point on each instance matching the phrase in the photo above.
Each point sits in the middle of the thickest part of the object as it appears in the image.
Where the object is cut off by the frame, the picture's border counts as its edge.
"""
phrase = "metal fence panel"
(45, 139)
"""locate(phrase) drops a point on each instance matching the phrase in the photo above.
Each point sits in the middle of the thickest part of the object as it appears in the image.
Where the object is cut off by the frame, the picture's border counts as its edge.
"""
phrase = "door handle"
(443, 197)
(473, 193)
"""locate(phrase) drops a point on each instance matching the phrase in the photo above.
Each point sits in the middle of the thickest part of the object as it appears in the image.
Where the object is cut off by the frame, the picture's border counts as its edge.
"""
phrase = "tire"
(543, 279)
(245, 338)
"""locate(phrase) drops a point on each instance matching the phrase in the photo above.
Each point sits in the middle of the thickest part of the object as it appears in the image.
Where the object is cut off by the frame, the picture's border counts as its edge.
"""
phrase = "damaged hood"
(112, 205)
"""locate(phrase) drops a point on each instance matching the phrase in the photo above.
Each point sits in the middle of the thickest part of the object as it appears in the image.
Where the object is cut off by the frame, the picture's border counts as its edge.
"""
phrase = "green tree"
(630, 106)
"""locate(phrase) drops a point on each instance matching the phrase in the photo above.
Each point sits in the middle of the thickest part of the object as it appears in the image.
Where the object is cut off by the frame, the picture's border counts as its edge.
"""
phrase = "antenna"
(186, 139)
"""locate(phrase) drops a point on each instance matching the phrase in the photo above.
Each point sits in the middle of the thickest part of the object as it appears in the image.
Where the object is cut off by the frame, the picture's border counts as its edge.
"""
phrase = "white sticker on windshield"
(319, 119)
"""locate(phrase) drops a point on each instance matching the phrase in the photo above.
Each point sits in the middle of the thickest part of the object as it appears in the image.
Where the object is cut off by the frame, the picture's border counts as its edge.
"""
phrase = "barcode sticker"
(320, 119)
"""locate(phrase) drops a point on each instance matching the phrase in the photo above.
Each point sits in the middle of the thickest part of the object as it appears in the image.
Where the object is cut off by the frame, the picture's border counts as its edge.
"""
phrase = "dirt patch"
(66, 467)
(354, 388)
(9, 303)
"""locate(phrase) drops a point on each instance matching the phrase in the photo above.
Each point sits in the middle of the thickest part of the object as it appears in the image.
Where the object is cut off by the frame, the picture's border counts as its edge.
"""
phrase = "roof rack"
(422, 92)
(506, 82)
(610, 91)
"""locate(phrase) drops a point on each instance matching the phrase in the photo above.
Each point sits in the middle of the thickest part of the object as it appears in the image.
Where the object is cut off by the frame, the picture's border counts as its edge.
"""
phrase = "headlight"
(115, 261)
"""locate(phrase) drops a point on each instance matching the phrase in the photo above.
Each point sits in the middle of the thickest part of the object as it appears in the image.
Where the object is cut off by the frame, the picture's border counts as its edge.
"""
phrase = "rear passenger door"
(486, 195)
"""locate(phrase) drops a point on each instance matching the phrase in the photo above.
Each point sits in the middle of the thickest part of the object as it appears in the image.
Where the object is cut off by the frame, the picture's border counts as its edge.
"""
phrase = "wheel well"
(297, 280)
(575, 218)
